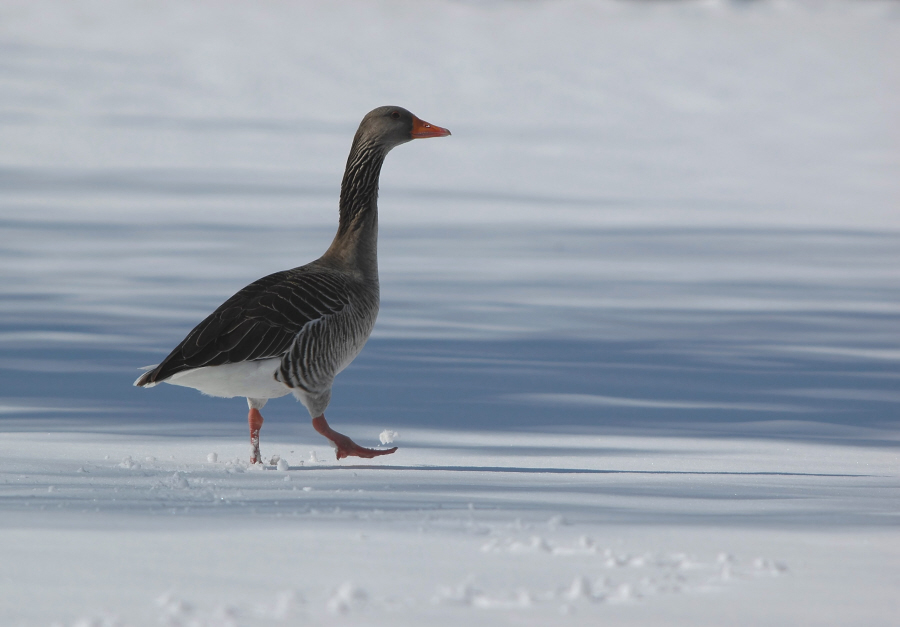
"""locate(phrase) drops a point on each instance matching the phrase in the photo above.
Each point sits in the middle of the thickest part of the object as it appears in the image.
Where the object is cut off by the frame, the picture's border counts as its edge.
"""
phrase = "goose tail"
(146, 379)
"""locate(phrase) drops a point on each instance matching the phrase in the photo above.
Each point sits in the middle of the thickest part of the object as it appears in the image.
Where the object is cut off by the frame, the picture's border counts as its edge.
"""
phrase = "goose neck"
(355, 243)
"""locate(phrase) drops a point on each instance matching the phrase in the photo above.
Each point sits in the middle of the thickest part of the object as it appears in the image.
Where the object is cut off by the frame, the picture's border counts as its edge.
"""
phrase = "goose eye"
(395, 115)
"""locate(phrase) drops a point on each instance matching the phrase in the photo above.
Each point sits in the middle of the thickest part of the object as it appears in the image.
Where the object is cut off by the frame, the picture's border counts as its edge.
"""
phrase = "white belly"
(251, 379)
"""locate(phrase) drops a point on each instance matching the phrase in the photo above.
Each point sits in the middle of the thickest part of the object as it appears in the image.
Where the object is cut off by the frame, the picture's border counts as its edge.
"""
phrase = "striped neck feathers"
(359, 189)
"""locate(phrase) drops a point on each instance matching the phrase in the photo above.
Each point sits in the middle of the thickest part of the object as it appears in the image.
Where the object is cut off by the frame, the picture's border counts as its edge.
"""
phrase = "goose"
(293, 331)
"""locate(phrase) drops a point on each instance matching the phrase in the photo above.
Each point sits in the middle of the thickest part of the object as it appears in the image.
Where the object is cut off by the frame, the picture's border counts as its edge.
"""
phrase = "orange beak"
(422, 129)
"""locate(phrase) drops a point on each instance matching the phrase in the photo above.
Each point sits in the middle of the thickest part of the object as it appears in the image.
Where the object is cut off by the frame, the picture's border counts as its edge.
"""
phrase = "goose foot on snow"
(344, 446)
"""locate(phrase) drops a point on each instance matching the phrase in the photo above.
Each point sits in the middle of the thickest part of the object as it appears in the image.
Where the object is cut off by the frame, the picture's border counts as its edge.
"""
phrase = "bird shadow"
(566, 471)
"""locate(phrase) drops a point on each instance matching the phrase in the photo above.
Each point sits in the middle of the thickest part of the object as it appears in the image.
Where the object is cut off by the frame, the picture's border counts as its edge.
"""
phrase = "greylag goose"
(293, 331)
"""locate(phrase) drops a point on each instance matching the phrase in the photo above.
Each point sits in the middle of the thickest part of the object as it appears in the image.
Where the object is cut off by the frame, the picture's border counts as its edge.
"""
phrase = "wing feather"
(259, 322)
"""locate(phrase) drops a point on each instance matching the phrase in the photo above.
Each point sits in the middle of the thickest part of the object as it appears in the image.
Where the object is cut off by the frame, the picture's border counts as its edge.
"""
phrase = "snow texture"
(638, 328)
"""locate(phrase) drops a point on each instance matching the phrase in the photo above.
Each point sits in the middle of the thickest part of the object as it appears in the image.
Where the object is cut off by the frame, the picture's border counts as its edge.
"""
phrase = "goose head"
(392, 126)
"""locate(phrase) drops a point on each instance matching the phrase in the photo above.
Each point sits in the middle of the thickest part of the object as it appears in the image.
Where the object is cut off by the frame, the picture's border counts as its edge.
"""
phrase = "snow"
(628, 529)
(638, 329)
(388, 436)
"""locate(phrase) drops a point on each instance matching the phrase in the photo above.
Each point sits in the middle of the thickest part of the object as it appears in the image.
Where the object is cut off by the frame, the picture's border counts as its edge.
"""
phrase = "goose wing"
(259, 322)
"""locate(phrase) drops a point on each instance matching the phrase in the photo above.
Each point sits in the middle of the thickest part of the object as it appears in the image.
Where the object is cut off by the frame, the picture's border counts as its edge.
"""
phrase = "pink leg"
(344, 446)
(255, 419)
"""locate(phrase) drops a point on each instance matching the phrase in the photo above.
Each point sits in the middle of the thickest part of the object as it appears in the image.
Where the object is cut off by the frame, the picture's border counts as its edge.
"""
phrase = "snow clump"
(766, 566)
(177, 480)
(580, 589)
(347, 597)
(172, 609)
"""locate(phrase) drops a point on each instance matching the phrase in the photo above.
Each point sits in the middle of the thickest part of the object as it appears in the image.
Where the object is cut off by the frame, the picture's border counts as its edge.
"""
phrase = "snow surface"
(639, 325)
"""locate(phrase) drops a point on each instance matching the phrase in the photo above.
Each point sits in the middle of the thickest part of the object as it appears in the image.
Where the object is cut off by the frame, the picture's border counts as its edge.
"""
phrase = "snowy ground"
(639, 328)
(462, 528)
